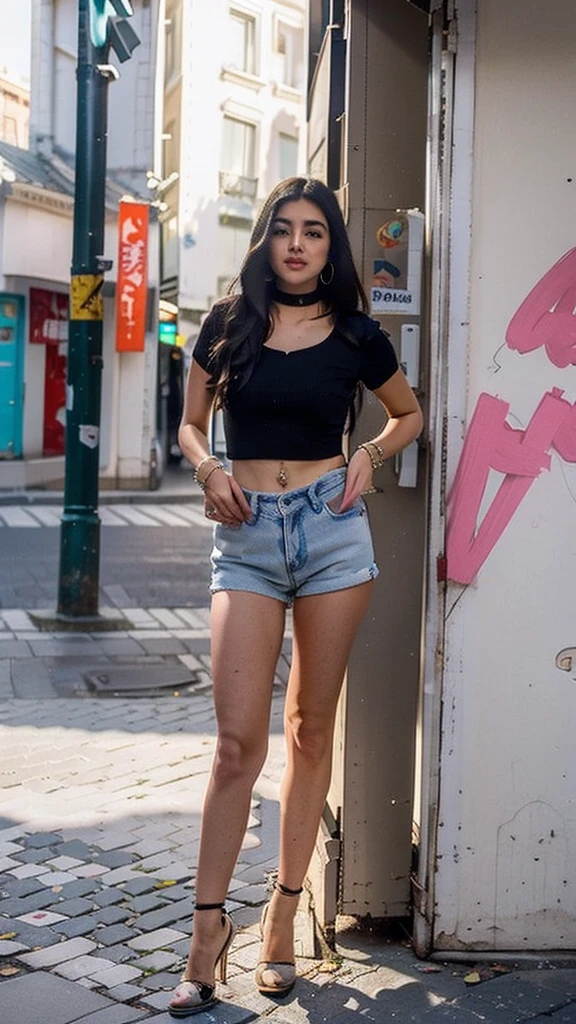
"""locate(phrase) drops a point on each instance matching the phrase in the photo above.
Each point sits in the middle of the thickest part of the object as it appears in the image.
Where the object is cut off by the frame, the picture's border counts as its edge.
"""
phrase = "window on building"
(287, 156)
(239, 147)
(242, 42)
(289, 47)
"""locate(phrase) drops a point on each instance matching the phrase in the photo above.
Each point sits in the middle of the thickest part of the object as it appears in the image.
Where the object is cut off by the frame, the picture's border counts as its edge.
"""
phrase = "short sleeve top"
(294, 405)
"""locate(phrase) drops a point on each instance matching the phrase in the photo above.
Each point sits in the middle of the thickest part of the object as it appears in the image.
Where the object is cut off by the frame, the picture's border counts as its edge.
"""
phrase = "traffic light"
(108, 25)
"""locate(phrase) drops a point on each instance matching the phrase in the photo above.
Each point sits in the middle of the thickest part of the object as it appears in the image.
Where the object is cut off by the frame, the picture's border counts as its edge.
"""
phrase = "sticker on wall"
(397, 279)
(88, 435)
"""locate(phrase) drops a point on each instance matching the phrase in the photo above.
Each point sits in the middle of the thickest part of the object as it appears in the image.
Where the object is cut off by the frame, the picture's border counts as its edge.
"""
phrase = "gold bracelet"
(375, 460)
(208, 458)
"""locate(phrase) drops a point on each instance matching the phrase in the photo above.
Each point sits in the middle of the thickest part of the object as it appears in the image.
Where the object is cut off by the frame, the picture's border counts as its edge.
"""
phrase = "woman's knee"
(309, 736)
(238, 758)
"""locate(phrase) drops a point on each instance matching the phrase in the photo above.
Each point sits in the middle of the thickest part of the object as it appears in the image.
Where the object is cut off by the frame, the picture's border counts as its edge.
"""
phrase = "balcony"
(231, 184)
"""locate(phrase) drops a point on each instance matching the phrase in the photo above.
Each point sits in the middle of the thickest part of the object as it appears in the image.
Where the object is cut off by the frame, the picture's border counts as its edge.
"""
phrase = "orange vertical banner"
(132, 284)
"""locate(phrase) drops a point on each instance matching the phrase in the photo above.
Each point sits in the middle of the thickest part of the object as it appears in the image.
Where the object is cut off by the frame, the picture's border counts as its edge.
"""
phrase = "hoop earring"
(331, 278)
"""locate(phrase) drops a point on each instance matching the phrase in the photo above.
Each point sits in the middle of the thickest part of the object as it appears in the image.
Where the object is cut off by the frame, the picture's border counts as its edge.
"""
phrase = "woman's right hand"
(224, 500)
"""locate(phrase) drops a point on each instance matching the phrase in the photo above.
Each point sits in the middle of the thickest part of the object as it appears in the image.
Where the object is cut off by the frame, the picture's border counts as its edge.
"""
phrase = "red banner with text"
(132, 284)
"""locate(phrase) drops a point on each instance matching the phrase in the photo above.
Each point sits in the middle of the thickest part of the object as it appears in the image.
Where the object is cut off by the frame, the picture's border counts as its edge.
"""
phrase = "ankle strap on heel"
(288, 892)
(209, 906)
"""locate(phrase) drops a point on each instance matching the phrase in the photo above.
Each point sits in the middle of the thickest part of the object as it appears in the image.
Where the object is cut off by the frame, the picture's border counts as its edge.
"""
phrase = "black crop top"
(294, 405)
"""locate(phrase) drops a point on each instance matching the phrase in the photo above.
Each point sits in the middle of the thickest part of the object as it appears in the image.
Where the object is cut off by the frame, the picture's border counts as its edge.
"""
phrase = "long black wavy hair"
(246, 311)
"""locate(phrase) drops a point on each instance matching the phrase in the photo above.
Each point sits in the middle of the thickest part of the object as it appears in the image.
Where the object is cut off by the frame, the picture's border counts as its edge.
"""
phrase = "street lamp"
(101, 26)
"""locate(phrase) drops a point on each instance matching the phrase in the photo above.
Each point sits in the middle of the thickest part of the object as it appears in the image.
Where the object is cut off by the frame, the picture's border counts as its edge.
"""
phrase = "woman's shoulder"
(361, 325)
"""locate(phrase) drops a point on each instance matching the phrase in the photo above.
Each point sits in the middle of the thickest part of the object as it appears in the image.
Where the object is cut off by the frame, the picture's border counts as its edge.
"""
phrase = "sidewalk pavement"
(100, 800)
(177, 485)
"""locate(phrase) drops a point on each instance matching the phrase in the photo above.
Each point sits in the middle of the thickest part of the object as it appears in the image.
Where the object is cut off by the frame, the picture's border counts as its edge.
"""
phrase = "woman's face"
(299, 245)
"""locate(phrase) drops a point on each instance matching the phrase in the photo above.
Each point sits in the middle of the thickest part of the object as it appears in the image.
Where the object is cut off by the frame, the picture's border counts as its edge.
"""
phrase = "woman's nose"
(295, 242)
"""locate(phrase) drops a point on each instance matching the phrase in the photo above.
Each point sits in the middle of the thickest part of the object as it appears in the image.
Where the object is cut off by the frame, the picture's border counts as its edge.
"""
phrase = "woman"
(283, 359)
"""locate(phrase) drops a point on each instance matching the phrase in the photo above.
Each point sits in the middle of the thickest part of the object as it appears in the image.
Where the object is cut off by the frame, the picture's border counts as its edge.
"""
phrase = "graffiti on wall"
(546, 319)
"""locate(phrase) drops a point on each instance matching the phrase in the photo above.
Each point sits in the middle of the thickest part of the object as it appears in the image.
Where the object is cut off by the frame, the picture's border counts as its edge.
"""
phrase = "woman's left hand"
(358, 479)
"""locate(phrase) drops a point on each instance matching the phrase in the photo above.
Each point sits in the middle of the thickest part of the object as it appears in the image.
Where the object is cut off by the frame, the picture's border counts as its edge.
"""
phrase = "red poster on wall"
(132, 286)
(48, 317)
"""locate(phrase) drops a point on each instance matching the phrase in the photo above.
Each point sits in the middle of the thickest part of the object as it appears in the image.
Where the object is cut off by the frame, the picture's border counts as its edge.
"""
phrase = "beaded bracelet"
(375, 460)
(217, 465)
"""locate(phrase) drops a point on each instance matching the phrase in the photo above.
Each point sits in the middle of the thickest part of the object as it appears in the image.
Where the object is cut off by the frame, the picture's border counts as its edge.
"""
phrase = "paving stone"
(81, 887)
(29, 935)
(156, 940)
(37, 901)
(28, 871)
(116, 1015)
(115, 858)
(111, 840)
(73, 908)
(56, 878)
(108, 897)
(178, 892)
(157, 961)
(76, 848)
(67, 950)
(171, 912)
(19, 887)
(514, 1001)
(124, 993)
(112, 915)
(91, 870)
(118, 954)
(115, 933)
(41, 918)
(82, 966)
(64, 863)
(164, 980)
(40, 839)
(151, 901)
(138, 886)
(42, 997)
(119, 974)
(83, 925)
(34, 856)
(8, 947)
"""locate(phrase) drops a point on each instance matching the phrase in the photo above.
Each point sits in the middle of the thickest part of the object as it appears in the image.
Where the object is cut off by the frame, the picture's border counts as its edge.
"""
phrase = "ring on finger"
(210, 512)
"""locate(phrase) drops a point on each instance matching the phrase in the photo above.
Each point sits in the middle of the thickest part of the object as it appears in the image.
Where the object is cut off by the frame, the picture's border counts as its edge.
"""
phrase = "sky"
(15, 36)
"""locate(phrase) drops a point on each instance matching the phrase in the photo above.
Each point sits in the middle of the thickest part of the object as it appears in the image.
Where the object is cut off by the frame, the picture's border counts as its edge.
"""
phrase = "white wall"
(507, 832)
(209, 95)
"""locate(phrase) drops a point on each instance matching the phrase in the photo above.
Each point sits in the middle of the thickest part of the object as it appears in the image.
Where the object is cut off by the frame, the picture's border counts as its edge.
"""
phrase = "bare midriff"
(262, 474)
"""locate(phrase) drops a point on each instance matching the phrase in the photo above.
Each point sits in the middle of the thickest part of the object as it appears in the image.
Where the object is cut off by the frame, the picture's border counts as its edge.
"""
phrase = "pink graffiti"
(491, 444)
(546, 317)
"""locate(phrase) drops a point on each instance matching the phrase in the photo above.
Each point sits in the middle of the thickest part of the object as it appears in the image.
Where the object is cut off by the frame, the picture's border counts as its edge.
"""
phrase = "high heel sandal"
(199, 995)
(276, 977)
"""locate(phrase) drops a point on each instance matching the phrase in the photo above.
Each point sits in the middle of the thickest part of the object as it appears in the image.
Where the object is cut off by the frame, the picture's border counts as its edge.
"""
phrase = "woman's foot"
(276, 971)
(211, 940)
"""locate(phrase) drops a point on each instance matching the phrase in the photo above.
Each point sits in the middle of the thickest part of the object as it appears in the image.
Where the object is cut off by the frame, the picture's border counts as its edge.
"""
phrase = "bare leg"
(324, 629)
(247, 634)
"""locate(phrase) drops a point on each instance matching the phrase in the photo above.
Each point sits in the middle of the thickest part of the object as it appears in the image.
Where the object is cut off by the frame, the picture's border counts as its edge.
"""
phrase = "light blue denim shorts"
(295, 544)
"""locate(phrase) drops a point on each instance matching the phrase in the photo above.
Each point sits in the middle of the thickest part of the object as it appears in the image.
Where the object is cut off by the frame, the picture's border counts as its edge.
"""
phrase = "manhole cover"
(138, 681)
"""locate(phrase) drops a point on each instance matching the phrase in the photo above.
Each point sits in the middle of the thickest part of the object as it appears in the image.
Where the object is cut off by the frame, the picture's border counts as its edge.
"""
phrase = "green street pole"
(80, 525)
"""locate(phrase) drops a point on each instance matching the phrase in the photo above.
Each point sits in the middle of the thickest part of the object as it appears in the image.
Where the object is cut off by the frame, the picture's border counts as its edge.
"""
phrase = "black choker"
(290, 299)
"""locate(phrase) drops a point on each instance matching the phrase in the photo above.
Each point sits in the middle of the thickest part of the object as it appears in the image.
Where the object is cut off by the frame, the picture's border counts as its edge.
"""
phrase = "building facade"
(234, 124)
(36, 223)
(453, 790)
(14, 109)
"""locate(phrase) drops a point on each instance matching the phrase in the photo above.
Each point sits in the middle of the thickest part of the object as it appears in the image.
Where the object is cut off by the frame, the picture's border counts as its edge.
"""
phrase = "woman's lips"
(295, 264)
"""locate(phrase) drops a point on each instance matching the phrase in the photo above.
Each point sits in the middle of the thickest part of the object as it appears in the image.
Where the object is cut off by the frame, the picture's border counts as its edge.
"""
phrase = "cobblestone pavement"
(100, 801)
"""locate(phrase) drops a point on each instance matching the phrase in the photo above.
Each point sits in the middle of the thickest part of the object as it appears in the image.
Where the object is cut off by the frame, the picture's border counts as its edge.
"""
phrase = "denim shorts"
(295, 544)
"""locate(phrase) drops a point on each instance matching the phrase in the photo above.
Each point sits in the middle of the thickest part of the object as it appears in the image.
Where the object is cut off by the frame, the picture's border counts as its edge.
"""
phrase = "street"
(163, 565)
(100, 801)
